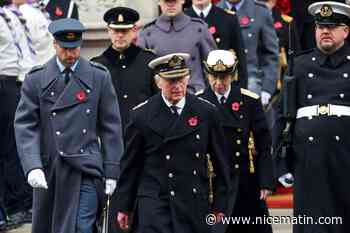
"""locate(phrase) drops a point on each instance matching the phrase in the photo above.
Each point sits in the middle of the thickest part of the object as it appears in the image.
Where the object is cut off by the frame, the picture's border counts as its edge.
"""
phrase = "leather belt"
(323, 110)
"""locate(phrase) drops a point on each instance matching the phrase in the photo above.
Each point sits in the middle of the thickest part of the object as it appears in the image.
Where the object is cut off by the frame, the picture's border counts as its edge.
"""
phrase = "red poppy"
(193, 121)
(58, 11)
(278, 25)
(284, 6)
(81, 96)
(235, 106)
(212, 29)
(244, 20)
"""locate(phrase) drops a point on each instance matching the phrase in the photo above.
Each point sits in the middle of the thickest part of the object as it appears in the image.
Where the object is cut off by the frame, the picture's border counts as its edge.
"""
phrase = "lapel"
(228, 117)
(77, 90)
(160, 117)
(182, 125)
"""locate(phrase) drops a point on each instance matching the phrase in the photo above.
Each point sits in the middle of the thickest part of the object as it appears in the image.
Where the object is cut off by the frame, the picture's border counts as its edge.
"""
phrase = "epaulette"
(287, 18)
(249, 93)
(149, 24)
(198, 20)
(150, 51)
(259, 3)
(230, 12)
(36, 68)
(303, 52)
(140, 105)
(99, 66)
(207, 101)
(199, 92)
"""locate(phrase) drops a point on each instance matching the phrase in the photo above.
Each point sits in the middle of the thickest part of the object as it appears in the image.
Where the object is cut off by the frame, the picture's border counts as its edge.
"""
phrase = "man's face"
(173, 89)
(199, 3)
(220, 83)
(68, 56)
(329, 38)
(171, 8)
(121, 38)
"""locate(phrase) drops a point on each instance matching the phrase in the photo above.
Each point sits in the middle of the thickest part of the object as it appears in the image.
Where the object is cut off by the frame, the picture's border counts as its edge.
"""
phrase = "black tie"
(174, 110)
(67, 73)
(201, 15)
(233, 8)
(222, 100)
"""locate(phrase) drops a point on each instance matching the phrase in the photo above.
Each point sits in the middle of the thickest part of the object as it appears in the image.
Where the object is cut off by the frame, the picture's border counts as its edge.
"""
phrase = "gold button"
(194, 172)
(54, 114)
(125, 96)
(236, 166)
(194, 190)
(88, 111)
(170, 175)
(172, 193)
(58, 133)
(239, 142)
(167, 157)
(239, 130)
(197, 155)
(238, 154)
(52, 93)
(198, 137)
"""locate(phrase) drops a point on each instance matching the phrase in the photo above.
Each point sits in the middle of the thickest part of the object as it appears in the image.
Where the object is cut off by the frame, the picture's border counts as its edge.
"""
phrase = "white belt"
(323, 110)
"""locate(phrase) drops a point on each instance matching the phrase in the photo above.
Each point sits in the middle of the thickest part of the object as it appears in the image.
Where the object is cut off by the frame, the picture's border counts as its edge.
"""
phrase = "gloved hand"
(36, 179)
(111, 184)
(265, 98)
(286, 180)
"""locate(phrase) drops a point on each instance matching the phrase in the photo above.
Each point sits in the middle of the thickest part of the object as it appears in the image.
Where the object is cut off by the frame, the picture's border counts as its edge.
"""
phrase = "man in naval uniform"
(320, 145)
(173, 142)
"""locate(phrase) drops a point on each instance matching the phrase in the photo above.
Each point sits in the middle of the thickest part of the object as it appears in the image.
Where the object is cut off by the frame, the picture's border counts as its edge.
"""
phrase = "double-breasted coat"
(181, 34)
(132, 79)
(261, 44)
(320, 150)
(165, 167)
(241, 117)
(68, 131)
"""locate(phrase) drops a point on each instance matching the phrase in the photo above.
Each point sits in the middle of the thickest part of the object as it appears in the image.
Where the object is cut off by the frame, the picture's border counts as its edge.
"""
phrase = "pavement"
(277, 228)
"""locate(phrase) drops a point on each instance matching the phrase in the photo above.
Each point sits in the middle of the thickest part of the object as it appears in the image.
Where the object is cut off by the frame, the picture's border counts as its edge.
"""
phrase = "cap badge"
(326, 11)
(70, 36)
(219, 66)
(120, 18)
(175, 61)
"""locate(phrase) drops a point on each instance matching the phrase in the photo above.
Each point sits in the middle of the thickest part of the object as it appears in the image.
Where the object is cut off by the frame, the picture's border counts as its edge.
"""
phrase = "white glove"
(265, 98)
(36, 179)
(286, 180)
(111, 184)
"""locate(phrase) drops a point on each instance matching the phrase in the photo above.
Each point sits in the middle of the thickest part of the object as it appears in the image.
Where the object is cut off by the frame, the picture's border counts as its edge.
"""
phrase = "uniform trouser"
(15, 193)
(88, 203)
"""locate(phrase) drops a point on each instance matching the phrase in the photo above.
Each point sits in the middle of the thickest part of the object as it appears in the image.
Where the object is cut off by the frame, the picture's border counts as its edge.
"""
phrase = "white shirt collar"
(62, 67)
(238, 5)
(180, 105)
(205, 10)
(227, 93)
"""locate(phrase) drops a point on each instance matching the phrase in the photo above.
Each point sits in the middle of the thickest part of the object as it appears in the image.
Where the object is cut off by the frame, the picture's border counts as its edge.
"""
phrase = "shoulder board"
(149, 24)
(259, 3)
(304, 52)
(98, 65)
(198, 20)
(36, 68)
(287, 18)
(207, 101)
(249, 93)
(199, 92)
(140, 105)
(230, 12)
(150, 51)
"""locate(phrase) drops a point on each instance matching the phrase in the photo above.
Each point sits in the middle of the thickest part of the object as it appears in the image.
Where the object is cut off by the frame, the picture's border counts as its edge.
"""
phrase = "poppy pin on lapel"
(81, 96)
(193, 121)
(235, 106)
